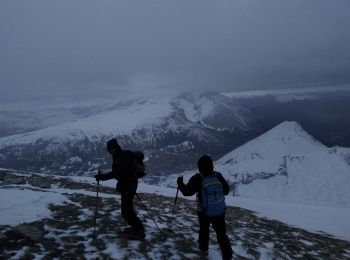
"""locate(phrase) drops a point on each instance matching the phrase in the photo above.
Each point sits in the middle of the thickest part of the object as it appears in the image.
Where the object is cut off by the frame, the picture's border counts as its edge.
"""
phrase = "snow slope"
(287, 164)
(323, 219)
(25, 205)
(157, 125)
(154, 116)
(120, 119)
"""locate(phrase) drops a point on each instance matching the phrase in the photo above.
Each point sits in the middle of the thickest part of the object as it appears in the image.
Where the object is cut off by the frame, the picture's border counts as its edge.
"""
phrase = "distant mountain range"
(173, 131)
(167, 129)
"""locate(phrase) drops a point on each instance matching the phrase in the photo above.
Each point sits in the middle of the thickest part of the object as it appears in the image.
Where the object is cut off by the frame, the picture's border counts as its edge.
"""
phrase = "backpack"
(140, 168)
(213, 199)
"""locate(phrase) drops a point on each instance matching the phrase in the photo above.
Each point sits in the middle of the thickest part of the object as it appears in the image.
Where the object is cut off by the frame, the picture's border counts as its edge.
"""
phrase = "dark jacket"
(194, 186)
(123, 170)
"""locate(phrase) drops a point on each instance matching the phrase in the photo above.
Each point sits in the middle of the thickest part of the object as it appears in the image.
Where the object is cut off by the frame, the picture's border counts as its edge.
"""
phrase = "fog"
(83, 49)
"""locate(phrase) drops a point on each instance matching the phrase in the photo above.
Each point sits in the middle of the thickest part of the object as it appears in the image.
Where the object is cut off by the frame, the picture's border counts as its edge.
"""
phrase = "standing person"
(210, 187)
(124, 170)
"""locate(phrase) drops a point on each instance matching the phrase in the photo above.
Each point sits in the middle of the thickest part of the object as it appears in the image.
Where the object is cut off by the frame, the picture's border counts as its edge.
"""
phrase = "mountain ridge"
(153, 125)
(287, 164)
(73, 141)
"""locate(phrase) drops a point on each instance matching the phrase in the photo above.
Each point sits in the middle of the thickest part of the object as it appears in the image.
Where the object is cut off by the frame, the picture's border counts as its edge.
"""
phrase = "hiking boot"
(127, 230)
(227, 256)
(136, 235)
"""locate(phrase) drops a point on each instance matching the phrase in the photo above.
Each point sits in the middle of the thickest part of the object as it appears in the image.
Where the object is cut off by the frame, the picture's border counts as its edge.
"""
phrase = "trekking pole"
(98, 186)
(143, 205)
(172, 215)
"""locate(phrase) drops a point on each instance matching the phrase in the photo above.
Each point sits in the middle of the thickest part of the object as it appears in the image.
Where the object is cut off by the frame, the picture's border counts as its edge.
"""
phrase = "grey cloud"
(87, 48)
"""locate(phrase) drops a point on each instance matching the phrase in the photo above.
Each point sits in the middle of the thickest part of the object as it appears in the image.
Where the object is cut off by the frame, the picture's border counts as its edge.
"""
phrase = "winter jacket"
(124, 171)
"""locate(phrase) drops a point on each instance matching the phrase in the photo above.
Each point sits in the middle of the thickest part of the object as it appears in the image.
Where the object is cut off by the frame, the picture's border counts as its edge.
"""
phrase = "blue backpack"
(213, 199)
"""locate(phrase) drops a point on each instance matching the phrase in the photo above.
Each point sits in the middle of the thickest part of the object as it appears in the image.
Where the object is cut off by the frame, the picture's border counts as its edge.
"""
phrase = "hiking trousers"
(219, 226)
(128, 212)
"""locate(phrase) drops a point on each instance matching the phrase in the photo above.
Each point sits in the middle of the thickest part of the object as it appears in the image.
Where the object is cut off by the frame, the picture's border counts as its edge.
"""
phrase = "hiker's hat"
(205, 164)
(113, 143)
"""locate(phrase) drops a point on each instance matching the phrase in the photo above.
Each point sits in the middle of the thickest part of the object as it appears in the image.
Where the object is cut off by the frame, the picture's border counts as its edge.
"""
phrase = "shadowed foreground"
(68, 233)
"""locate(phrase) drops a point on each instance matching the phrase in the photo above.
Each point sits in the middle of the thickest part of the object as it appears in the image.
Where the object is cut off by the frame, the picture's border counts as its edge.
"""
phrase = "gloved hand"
(98, 175)
(180, 181)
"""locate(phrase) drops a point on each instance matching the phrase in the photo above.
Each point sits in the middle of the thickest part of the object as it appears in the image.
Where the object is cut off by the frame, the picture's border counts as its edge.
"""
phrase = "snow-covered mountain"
(172, 130)
(162, 127)
(287, 164)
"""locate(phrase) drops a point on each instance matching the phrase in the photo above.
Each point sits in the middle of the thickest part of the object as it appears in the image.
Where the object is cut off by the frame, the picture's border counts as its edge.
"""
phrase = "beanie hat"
(205, 164)
(113, 144)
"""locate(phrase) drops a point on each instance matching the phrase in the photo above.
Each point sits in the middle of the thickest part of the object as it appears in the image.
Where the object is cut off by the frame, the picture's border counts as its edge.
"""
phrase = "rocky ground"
(68, 232)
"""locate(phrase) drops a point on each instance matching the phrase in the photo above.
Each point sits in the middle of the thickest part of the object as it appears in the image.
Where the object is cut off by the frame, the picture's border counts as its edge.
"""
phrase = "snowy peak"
(289, 128)
(288, 138)
(287, 164)
(213, 110)
(291, 136)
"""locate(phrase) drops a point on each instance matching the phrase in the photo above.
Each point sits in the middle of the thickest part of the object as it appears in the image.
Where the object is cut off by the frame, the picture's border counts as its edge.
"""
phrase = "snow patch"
(20, 206)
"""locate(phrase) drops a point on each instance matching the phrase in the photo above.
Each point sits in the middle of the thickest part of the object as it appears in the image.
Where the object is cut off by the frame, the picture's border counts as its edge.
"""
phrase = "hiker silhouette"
(210, 187)
(124, 170)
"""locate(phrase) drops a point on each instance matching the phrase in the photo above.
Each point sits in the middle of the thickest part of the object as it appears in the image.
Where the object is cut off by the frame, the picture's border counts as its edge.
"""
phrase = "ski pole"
(98, 186)
(143, 205)
(172, 215)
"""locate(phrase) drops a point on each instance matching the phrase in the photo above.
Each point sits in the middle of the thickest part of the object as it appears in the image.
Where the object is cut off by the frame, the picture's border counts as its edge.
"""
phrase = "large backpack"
(213, 199)
(140, 167)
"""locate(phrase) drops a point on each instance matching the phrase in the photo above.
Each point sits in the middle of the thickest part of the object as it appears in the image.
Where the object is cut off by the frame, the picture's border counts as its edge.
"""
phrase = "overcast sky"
(101, 48)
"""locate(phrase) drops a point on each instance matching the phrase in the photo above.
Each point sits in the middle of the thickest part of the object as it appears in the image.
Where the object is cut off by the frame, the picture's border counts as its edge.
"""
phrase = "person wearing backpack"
(210, 187)
(126, 171)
